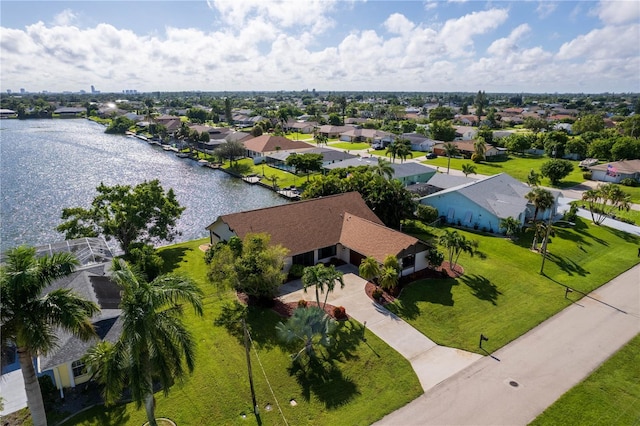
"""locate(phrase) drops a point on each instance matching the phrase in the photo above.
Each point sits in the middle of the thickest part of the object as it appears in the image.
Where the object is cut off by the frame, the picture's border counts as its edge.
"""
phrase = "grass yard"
(502, 295)
(516, 166)
(609, 396)
(356, 146)
(365, 382)
(632, 215)
(383, 153)
(634, 192)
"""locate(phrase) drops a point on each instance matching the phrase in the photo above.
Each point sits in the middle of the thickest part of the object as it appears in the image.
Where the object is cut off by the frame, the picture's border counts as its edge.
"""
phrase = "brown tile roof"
(269, 143)
(373, 239)
(302, 226)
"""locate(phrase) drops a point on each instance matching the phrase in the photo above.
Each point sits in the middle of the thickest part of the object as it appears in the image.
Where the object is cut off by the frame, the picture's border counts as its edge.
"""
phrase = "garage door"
(355, 258)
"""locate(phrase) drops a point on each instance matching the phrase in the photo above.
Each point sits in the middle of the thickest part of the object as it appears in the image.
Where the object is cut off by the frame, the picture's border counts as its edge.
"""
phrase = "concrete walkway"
(533, 371)
(12, 392)
(432, 363)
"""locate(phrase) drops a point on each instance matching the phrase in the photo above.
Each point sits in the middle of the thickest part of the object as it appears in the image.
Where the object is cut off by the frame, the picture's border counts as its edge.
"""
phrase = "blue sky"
(229, 45)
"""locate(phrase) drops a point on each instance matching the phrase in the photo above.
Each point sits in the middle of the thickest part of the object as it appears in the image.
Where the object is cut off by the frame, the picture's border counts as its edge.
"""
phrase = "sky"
(327, 45)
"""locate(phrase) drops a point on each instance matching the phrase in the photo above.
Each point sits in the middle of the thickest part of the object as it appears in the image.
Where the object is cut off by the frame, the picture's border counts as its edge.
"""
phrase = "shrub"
(377, 294)
(426, 214)
(146, 259)
(435, 258)
(296, 271)
(302, 303)
(587, 175)
(629, 182)
(339, 312)
(572, 214)
(477, 158)
(48, 389)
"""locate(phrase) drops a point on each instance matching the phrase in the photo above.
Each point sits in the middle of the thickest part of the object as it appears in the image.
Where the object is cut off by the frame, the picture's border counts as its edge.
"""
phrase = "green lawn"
(365, 382)
(383, 153)
(502, 294)
(516, 166)
(356, 146)
(633, 215)
(634, 191)
(609, 396)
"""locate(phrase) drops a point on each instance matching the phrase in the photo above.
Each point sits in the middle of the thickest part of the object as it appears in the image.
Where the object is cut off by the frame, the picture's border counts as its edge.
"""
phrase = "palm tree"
(383, 168)
(450, 150)
(29, 318)
(389, 278)
(369, 269)
(541, 198)
(392, 151)
(403, 150)
(322, 276)
(312, 326)
(154, 343)
(510, 226)
(468, 169)
(480, 147)
(604, 200)
(456, 243)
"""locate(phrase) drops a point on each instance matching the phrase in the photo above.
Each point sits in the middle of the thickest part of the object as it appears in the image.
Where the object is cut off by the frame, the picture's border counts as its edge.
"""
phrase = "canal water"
(46, 165)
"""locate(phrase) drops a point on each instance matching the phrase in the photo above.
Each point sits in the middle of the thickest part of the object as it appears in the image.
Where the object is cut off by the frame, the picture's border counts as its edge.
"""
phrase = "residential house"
(258, 148)
(419, 142)
(306, 127)
(332, 132)
(278, 159)
(317, 230)
(466, 133)
(69, 112)
(64, 365)
(616, 171)
(170, 122)
(367, 135)
(484, 203)
(467, 149)
(408, 173)
(437, 183)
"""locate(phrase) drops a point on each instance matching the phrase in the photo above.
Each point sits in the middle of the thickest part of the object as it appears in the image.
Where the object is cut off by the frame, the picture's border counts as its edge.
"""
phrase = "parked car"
(431, 156)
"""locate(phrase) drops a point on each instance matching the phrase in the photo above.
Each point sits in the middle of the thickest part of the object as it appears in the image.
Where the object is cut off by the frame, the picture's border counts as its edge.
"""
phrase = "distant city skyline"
(327, 45)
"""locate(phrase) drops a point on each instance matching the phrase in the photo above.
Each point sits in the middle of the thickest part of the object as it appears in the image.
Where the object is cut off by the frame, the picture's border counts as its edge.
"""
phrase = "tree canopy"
(556, 170)
(442, 130)
(141, 214)
(390, 201)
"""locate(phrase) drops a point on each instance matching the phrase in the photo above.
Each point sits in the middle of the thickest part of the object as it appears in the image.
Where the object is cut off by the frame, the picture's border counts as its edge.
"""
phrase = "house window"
(78, 368)
(409, 261)
(325, 252)
(304, 259)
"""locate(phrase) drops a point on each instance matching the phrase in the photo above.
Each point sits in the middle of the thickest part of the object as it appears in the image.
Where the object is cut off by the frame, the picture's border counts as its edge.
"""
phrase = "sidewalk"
(432, 363)
(537, 368)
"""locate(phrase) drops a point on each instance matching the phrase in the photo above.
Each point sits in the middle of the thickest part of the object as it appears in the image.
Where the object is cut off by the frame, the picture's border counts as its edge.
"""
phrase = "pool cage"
(88, 250)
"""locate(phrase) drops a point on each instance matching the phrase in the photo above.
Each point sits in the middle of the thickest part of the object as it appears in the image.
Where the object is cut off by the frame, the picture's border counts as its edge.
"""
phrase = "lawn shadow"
(482, 288)
(325, 381)
(100, 415)
(568, 266)
(261, 323)
(627, 237)
(436, 291)
(347, 337)
(172, 258)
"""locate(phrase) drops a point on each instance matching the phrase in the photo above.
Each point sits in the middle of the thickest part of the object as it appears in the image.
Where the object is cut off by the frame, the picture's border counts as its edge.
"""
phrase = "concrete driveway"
(431, 362)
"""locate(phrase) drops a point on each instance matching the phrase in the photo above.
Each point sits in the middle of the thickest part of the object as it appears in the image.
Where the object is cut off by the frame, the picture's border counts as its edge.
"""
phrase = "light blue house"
(483, 203)
(408, 173)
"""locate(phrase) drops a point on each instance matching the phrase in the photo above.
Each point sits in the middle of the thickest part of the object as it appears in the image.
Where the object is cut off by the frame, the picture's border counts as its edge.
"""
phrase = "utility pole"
(246, 348)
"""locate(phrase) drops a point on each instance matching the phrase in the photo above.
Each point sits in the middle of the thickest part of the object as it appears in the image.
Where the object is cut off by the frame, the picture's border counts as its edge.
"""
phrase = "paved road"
(544, 363)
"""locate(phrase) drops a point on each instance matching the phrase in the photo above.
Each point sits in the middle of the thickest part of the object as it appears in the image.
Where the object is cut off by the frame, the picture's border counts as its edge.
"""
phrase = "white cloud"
(430, 4)
(64, 18)
(545, 8)
(397, 23)
(508, 45)
(618, 12)
(604, 43)
(457, 34)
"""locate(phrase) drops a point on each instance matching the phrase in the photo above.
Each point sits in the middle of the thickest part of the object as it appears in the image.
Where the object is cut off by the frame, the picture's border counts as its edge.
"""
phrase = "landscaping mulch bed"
(285, 309)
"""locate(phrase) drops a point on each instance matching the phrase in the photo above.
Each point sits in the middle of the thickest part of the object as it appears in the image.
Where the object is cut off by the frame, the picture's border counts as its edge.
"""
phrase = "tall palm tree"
(154, 343)
(541, 198)
(322, 277)
(29, 318)
(456, 243)
(450, 150)
(369, 269)
(392, 151)
(403, 150)
(480, 147)
(383, 168)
